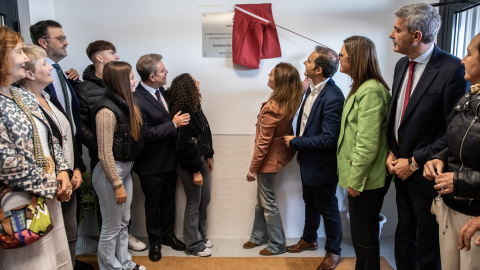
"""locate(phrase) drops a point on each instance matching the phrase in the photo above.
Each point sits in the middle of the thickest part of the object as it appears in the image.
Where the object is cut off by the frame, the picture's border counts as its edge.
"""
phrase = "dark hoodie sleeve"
(188, 155)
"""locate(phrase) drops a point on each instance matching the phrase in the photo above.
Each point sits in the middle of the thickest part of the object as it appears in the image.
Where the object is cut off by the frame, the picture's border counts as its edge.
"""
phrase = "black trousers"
(416, 236)
(322, 201)
(159, 190)
(364, 226)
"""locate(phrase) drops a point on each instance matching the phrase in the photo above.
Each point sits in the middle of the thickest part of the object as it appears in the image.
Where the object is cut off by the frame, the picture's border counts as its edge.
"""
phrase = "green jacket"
(362, 146)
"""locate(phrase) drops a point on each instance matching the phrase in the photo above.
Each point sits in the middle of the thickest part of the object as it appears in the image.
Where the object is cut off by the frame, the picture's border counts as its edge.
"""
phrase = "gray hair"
(147, 65)
(421, 17)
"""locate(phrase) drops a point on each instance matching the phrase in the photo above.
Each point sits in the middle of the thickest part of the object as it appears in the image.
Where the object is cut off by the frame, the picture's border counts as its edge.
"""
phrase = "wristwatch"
(411, 165)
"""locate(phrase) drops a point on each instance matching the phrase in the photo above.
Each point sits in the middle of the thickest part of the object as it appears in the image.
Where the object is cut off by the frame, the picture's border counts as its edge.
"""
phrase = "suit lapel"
(346, 110)
(300, 113)
(431, 71)
(316, 103)
(153, 101)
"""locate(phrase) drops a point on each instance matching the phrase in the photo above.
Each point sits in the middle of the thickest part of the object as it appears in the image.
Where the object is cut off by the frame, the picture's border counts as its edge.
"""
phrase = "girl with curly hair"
(194, 155)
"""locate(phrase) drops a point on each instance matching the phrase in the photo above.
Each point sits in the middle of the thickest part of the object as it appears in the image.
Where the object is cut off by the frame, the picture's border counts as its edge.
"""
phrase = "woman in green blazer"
(362, 147)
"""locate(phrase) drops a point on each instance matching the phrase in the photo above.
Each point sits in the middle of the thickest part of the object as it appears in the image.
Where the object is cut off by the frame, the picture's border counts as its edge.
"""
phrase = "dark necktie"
(63, 83)
(408, 91)
(157, 93)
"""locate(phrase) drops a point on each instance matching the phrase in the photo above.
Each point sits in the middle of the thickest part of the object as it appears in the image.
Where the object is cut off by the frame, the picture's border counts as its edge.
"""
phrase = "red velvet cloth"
(254, 39)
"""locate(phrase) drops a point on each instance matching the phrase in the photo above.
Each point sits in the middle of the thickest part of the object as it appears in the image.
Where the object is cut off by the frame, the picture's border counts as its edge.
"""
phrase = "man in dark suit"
(49, 35)
(318, 127)
(156, 164)
(426, 86)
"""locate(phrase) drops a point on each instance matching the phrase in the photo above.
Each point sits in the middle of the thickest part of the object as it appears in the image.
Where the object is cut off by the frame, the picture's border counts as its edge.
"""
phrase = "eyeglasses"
(61, 39)
(341, 56)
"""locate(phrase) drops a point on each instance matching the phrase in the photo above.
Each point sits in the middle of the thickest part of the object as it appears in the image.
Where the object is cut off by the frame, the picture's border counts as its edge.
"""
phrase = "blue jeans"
(112, 247)
(198, 199)
(267, 226)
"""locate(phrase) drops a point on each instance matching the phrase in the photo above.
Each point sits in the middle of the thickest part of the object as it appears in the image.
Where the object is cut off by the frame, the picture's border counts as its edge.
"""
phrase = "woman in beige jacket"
(271, 155)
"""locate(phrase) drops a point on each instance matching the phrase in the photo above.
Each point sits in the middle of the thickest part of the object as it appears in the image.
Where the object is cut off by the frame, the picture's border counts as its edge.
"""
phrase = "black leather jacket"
(462, 156)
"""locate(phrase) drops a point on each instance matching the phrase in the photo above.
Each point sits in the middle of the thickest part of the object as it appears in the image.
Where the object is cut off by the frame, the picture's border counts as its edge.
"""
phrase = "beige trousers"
(450, 222)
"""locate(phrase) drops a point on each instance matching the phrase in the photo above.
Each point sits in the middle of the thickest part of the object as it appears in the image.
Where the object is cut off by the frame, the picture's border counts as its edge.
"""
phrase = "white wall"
(231, 94)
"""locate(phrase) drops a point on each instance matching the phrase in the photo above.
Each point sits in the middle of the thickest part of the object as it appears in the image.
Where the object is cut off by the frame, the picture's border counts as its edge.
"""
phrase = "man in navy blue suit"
(49, 35)
(318, 127)
(427, 84)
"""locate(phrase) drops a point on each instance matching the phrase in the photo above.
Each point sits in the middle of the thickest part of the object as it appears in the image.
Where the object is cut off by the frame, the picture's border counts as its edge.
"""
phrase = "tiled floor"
(232, 247)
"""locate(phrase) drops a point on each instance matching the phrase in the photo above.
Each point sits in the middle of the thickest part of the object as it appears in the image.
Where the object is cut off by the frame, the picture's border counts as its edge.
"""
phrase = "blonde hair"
(33, 52)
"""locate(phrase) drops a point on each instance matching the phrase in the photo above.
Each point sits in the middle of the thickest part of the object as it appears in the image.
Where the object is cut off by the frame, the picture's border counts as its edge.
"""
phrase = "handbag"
(24, 225)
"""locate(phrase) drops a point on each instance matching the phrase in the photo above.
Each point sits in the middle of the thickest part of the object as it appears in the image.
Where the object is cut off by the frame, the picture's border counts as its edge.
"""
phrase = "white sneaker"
(204, 253)
(139, 267)
(135, 244)
(208, 244)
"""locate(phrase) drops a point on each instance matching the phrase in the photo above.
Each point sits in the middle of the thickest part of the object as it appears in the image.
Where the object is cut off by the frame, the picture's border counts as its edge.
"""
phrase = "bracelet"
(115, 188)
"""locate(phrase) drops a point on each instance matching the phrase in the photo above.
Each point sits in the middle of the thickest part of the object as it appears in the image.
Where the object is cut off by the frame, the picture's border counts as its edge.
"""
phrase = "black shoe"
(155, 254)
(82, 265)
(174, 243)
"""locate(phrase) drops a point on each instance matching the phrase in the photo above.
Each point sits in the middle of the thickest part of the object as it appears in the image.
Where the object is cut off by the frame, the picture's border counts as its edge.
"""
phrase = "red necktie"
(157, 93)
(408, 91)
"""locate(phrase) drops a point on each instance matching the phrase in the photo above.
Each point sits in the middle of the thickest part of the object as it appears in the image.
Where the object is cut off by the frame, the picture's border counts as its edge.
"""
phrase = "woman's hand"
(433, 168)
(250, 177)
(444, 183)
(210, 165)
(65, 187)
(120, 195)
(352, 192)
(77, 179)
(198, 179)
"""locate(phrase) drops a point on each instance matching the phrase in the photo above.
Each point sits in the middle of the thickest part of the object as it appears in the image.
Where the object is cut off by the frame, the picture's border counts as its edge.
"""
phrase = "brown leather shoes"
(265, 252)
(249, 245)
(301, 246)
(329, 262)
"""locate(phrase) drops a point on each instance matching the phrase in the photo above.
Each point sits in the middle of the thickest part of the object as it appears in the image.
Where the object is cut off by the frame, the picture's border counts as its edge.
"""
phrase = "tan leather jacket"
(270, 153)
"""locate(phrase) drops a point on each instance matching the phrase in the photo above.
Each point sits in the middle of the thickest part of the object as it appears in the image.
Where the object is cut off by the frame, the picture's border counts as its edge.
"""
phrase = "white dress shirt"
(152, 92)
(422, 62)
(314, 92)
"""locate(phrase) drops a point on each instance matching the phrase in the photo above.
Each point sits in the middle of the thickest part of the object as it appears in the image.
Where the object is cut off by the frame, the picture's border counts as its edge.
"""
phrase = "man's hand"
(352, 192)
(76, 179)
(287, 140)
(72, 74)
(433, 168)
(65, 188)
(467, 231)
(181, 120)
(210, 165)
(400, 168)
(444, 183)
(390, 158)
(198, 179)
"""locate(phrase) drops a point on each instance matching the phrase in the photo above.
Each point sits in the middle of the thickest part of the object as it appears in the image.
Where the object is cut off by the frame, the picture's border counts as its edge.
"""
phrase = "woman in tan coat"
(271, 155)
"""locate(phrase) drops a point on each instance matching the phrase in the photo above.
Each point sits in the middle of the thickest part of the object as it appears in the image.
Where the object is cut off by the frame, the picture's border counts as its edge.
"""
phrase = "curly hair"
(183, 93)
(8, 40)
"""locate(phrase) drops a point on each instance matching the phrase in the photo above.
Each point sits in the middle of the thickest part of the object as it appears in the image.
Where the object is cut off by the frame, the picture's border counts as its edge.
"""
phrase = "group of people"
(45, 118)
(423, 131)
(422, 135)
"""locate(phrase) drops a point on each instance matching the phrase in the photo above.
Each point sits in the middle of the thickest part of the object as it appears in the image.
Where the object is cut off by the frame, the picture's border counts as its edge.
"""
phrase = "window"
(465, 26)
